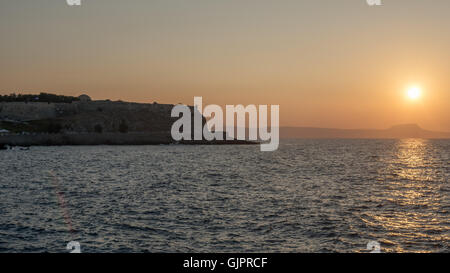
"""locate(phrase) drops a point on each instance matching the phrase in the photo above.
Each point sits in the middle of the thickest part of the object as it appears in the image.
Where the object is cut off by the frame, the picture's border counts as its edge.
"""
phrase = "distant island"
(48, 119)
(395, 132)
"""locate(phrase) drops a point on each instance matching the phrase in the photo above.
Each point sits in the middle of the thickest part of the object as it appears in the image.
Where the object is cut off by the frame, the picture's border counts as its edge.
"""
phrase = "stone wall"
(22, 111)
(28, 111)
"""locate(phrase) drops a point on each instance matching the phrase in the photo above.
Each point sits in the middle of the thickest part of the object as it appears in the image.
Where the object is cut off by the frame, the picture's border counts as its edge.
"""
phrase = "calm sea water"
(309, 196)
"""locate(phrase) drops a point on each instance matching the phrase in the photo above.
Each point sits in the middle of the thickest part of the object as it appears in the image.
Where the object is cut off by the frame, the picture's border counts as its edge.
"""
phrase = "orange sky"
(327, 63)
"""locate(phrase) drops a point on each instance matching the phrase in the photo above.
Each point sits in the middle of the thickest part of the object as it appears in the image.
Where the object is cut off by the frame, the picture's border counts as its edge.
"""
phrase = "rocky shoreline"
(26, 140)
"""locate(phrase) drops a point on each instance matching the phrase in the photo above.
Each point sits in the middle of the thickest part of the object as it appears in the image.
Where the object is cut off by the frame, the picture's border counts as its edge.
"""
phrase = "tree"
(123, 127)
(54, 128)
(98, 128)
(42, 97)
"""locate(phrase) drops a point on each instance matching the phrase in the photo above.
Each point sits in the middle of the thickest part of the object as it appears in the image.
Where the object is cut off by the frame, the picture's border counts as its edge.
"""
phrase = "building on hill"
(84, 98)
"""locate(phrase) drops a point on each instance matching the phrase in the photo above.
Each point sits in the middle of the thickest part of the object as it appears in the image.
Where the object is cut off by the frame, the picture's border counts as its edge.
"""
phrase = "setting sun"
(414, 92)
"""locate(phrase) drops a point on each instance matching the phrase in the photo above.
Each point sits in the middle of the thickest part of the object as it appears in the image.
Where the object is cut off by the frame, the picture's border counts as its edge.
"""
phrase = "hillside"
(81, 121)
(85, 117)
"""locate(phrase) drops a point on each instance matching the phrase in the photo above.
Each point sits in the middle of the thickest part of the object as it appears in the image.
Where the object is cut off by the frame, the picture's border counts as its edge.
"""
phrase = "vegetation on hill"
(38, 126)
(42, 97)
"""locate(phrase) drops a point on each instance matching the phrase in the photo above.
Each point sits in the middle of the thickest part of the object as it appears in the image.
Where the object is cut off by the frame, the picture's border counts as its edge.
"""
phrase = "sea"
(308, 196)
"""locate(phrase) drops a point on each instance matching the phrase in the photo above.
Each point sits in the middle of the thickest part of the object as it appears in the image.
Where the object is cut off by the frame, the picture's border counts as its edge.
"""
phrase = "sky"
(327, 63)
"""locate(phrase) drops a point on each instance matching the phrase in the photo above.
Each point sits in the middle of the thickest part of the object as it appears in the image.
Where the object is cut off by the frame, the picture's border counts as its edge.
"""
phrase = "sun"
(414, 92)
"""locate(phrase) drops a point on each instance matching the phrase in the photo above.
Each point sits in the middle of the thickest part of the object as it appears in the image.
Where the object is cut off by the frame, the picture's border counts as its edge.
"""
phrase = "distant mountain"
(398, 131)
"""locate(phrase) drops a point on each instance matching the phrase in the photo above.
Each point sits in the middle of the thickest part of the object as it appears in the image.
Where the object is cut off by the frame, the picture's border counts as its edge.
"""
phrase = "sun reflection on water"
(411, 200)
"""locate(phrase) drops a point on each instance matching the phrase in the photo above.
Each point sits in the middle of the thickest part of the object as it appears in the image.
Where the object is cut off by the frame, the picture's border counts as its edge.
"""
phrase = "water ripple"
(309, 196)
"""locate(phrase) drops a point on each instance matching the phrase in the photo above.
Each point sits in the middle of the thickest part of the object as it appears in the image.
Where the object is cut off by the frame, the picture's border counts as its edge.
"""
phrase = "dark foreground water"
(309, 196)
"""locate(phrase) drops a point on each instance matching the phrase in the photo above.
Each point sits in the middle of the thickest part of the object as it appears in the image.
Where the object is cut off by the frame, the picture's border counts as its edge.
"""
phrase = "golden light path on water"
(330, 195)
(413, 185)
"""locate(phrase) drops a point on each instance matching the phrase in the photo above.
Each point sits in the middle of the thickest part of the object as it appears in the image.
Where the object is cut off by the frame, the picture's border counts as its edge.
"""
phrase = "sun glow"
(414, 93)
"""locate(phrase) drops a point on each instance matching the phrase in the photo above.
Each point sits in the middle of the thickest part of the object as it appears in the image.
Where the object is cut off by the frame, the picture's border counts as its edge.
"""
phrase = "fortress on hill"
(84, 116)
(48, 119)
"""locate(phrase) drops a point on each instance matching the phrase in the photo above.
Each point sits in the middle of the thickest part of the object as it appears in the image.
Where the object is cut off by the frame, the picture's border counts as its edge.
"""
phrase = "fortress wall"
(22, 111)
(121, 106)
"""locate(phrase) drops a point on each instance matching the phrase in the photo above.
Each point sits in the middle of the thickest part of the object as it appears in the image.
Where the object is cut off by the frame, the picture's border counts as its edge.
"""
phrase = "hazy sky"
(327, 63)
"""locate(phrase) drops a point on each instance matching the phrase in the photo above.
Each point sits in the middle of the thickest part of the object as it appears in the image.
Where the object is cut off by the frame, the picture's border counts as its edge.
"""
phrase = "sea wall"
(85, 139)
(101, 139)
